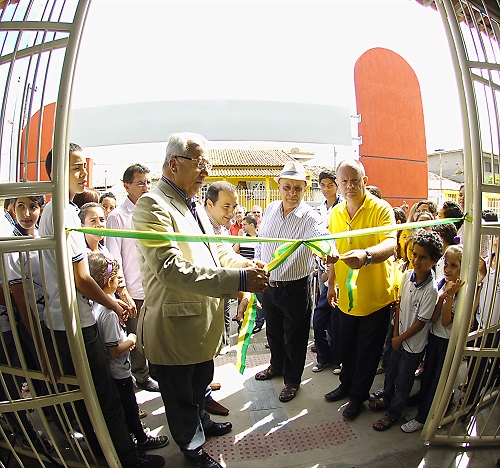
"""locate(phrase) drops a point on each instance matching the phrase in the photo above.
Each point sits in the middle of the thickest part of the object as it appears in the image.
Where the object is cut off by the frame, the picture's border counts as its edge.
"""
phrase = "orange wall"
(45, 145)
(392, 126)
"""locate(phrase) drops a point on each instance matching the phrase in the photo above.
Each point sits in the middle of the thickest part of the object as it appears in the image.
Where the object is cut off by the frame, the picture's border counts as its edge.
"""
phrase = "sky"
(277, 50)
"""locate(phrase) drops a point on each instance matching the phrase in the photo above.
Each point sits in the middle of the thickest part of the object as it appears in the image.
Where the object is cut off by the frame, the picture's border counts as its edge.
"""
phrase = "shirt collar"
(298, 211)
(188, 201)
(217, 227)
(413, 279)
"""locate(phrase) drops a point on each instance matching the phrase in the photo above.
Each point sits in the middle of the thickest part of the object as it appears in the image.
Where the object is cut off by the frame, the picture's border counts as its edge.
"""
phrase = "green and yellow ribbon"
(321, 246)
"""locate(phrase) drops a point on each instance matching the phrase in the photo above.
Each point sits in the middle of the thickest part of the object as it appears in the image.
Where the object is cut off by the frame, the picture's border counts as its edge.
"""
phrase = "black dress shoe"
(218, 429)
(338, 394)
(352, 410)
(203, 460)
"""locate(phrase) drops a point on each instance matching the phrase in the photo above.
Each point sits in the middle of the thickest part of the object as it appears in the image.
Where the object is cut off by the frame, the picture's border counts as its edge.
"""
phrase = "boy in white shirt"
(419, 294)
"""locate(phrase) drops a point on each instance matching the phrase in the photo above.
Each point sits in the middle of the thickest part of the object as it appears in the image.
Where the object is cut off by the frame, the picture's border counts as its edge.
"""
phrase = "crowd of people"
(155, 313)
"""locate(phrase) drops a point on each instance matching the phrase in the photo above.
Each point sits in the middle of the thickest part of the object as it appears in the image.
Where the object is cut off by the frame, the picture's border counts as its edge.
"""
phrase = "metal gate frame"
(30, 32)
(473, 34)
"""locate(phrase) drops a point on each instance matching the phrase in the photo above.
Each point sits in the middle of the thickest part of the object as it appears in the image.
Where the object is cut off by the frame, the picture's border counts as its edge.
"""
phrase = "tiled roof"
(247, 172)
(247, 163)
(249, 158)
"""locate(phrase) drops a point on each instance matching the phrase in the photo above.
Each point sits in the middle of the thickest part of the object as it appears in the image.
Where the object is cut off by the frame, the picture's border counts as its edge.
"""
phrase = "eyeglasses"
(201, 164)
(289, 188)
(142, 183)
(256, 212)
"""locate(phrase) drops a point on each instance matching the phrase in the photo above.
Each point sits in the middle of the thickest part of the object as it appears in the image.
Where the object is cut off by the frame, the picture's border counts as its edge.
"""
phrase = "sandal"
(377, 405)
(288, 393)
(383, 424)
(267, 374)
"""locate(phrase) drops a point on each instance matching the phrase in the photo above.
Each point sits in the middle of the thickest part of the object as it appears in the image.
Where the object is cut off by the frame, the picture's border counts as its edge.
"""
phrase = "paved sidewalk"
(306, 432)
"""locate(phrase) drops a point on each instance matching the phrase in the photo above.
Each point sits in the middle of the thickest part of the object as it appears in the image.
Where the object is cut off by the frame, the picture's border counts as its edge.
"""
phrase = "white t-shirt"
(417, 302)
(77, 250)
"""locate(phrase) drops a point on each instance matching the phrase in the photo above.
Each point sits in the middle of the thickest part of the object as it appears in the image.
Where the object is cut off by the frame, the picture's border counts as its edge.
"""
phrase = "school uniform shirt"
(112, 334)
(77, 250)
(21, 264)
(418, 301)
(437, 328)
(488, 315)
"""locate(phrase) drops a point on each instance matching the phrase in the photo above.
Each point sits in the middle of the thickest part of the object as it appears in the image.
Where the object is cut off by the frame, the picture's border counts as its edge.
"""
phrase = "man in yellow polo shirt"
(362, 325)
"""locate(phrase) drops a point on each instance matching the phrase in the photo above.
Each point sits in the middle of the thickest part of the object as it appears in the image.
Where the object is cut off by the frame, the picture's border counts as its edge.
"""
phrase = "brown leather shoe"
(288, 393)
(214, 407)
(267, 374)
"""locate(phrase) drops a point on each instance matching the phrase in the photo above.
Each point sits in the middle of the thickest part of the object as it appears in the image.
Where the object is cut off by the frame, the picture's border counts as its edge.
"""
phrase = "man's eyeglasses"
(142, 183)
(256, 212)
(201, 164)
(296, 188)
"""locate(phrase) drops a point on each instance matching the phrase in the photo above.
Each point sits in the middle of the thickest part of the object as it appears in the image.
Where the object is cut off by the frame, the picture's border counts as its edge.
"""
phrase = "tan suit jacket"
(182, 319)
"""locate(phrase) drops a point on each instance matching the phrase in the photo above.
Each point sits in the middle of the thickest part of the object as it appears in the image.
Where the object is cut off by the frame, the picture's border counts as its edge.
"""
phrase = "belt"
(282, 284)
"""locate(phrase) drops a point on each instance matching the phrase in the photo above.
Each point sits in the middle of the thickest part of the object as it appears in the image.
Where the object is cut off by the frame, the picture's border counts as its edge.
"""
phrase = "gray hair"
(178, 145)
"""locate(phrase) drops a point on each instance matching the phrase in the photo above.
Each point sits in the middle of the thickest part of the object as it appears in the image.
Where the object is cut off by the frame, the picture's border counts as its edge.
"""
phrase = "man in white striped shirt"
(287, 301)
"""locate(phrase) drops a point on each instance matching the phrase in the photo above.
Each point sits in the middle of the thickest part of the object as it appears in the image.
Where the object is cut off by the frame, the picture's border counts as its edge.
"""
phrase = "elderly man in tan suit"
(182, 320)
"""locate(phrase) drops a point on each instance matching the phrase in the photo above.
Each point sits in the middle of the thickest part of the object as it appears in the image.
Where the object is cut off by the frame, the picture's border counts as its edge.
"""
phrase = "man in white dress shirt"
(137, 181)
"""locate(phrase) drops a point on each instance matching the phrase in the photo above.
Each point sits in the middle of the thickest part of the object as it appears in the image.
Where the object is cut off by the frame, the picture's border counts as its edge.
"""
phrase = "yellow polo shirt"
(375, 281)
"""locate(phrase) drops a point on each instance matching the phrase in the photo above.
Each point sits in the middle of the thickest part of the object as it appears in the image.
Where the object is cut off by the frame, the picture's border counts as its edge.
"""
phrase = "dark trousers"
(288, 317)
(399, 378)
(140, 368)
(386, 355)
(361, 342)
(10, 391)
(183, 392)
(130, 408)
(107, 394)
(434, 360)
(326, 330)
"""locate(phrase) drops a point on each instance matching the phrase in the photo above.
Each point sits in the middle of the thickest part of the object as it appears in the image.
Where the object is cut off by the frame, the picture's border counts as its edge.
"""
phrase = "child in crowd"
(448, 234)
(397, 264)
(22, 267)
(439, 335)
(86, 291)
(92, 215)
(108, 202)
(416, 307)
(118, 345)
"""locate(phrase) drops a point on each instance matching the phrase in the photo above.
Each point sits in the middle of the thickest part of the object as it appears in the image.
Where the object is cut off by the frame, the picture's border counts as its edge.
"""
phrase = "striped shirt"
(302, 223)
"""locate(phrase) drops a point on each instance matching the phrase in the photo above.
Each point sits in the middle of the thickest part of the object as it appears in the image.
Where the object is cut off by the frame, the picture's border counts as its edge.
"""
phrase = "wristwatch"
(369, 258)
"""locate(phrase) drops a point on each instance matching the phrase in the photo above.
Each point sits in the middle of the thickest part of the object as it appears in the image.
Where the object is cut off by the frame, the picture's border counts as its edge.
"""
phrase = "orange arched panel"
(393, 150)
(45, 143)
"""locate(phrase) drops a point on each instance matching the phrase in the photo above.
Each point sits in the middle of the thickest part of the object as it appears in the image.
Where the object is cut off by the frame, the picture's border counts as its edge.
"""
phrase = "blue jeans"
(434, 360)
(399, 378)
(326, 331)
